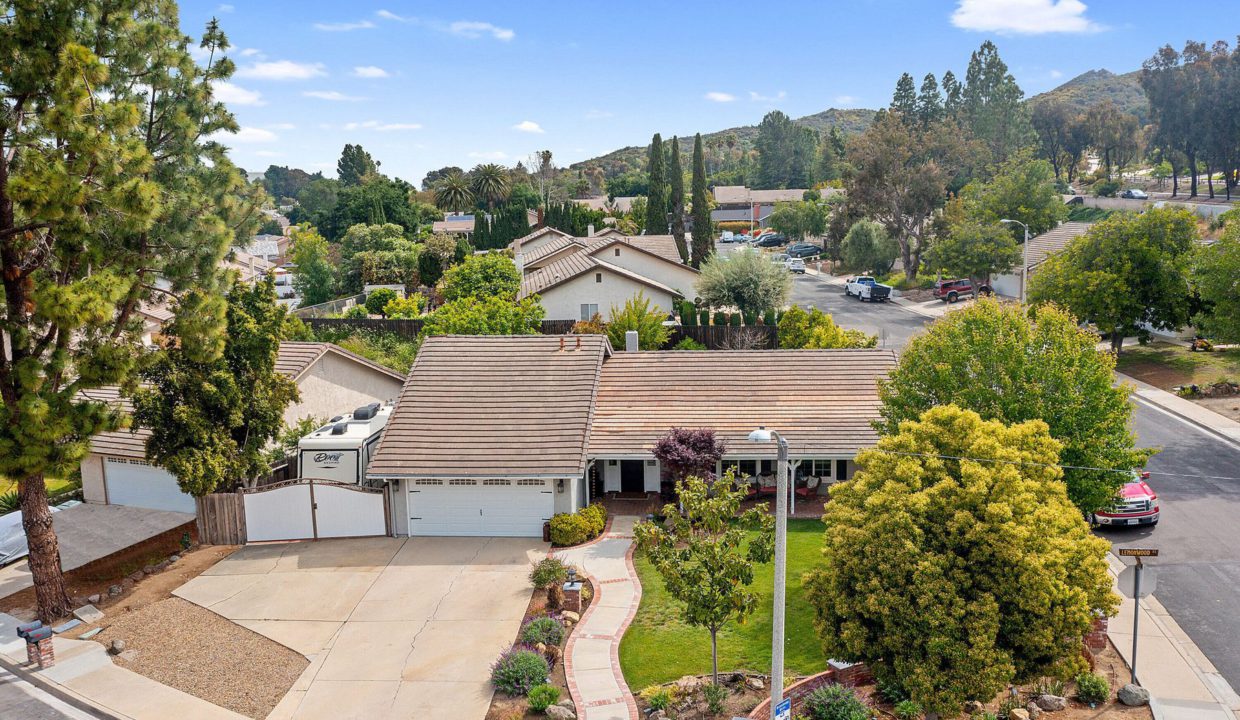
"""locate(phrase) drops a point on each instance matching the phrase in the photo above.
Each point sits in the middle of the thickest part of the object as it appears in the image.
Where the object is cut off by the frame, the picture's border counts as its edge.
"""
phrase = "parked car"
(950, 291)
(727, 236)
(770, 240)
(741, 238)
(779, 259)
(804, 250)
(795, 265)
(867, 288)
(1135, 194)
(1137, 504)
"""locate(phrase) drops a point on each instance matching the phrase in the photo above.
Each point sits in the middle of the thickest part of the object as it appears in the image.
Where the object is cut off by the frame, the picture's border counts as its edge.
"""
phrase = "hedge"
(581, 526)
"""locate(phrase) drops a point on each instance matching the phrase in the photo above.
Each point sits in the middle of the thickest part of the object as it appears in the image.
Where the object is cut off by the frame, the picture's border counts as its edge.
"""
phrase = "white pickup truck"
(867, 288)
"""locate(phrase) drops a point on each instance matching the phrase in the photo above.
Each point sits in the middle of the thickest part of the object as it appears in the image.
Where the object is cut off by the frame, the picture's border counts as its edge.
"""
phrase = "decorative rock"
(570, 616)
(1018, 714)
(161, 566)
(94, 599)
(736, 677)
(1052, 703)
(135, 576)
(1034, 710)
(687, 683)
(557, 712)
(553, 654)
(657, 715)
(541, 647)
(117, 647)
(173, 558)
(755, 683)
(115, 590)
(973, 707)
(128, 583)
(1134, 695)
(567, 703)
(88, 614)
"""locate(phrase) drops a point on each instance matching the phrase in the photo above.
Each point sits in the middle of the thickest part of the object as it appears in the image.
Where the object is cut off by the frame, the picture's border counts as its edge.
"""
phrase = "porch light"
(760, 435)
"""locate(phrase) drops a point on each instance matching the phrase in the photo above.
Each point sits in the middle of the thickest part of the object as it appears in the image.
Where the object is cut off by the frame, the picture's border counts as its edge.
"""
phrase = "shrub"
(518, 670)
(596, 516)
(720, 318)
(378, 299)
(356, 312)
(750, 317)
(543, 696)
(657, 697)
(907, 710)
(405, 308)
(734, 319)
(548, 572)
(569, 529)
(835, 702)
(688, 343)
(1006, 707)
(639, 315)
(1049, 686)
(1106, 188)
(9, 501)
(688, 312)
(703, 317)
(715, 695)
(1092, 688)
(546, 630)
(890, 689)
(768, 317)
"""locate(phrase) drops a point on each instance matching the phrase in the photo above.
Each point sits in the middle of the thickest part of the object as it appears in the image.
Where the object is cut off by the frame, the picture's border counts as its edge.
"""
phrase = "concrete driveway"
(393, 628)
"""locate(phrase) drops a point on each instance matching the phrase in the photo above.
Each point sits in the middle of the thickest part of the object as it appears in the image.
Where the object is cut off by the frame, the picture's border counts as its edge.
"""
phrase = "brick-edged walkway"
(592, 656)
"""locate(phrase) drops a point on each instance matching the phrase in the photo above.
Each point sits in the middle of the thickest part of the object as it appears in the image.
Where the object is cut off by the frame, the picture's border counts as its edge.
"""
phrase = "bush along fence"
(841, 674)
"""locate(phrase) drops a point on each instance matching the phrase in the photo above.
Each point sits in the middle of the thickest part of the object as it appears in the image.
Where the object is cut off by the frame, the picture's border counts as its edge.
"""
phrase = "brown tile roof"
(294, 360)
(653, 245)
(821, 401)
(1052, 242)
(494, 406)
(516, 244)
(579, 263)
(551, 248)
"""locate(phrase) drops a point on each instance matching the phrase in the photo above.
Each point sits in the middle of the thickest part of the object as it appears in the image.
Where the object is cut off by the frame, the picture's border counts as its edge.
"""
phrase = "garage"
(140, 484)
(492, 507)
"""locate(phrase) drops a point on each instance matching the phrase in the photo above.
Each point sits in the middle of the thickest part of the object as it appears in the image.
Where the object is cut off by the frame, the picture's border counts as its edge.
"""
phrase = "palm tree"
(490, 183)
(453, 193)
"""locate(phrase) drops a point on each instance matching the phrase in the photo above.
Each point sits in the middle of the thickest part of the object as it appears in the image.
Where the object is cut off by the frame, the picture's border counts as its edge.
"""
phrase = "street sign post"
(783, 711)
(1137, 594)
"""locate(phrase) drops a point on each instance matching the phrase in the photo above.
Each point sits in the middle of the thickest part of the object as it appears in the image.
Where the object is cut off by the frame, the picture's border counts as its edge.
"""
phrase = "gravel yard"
(198, 652)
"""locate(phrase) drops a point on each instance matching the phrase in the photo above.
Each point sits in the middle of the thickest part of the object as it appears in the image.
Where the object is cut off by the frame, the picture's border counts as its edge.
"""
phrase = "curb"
(1138, 386)
(57, 691)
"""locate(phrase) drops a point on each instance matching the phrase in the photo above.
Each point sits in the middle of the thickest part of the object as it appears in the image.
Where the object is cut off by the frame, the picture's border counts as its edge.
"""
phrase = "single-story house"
(332, 381)
(1041, 247)
(536, 239)
(581, 286)
(271, 248)
(738, 203)
(493, 435)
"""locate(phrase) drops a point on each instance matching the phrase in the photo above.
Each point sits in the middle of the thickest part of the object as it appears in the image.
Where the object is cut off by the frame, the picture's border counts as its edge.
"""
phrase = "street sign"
(1127, 579)
(783, 711)
(1138, 552)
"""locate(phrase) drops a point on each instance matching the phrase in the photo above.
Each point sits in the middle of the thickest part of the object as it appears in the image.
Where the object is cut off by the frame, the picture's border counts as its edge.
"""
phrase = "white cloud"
(529, 126)
(225, 8)
(719, 97)
(344, 26)
(331, 95)
(245, 135)
(282, 126)
(595, 114)
(266, 153)
(370, 71)
(759, 97)
(488, 155)
(473, 30)
(381, 127)
(845, 100)
(230, 94)
(1056, 74)
(251, 52)
(389, 15)
(1023, 17)
(282, 70)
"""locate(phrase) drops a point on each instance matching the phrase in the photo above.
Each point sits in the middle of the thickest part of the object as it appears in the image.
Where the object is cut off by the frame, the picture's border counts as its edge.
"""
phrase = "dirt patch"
(1167, 367)
(190, 648)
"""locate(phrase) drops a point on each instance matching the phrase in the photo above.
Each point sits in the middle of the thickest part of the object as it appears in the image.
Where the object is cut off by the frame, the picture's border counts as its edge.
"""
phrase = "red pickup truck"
(952, 290)
(1137, 505)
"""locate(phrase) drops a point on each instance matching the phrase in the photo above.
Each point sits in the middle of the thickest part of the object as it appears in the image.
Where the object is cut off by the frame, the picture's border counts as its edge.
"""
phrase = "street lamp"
(762, 435)
(1024, 270)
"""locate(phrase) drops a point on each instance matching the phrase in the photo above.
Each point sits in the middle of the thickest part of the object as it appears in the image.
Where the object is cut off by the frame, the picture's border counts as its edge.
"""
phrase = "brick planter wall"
(1096, 639)
(857, 674)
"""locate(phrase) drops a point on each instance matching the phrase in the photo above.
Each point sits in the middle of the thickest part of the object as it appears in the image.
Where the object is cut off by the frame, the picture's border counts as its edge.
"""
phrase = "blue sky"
(424, 85)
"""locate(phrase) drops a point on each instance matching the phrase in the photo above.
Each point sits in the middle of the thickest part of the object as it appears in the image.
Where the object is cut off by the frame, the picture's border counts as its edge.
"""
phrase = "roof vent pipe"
(561, 343)
(578, 342)
(590, 230)
(519, 259)
(630, 341)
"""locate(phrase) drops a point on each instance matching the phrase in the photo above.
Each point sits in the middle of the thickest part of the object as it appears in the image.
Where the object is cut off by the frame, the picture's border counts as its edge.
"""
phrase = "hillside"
(1091, 88)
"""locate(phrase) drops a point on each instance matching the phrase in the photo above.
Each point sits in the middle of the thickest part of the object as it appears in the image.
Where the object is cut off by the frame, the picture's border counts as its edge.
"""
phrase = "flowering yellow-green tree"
(816, 330)
(954, 562)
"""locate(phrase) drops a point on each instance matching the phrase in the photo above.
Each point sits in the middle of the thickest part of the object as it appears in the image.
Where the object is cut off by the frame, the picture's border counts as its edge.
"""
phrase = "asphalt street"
(19, 699)
(1196, 474)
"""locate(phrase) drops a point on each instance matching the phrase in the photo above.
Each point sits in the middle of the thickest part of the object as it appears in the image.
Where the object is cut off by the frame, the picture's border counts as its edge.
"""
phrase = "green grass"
(55, 486)
(1163, 365)
(660, 647)
(1080, 213)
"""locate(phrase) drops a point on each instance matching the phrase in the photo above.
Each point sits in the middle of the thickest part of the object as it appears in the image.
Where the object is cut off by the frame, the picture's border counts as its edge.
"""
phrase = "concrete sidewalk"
(1186, 409)
(1183, 683)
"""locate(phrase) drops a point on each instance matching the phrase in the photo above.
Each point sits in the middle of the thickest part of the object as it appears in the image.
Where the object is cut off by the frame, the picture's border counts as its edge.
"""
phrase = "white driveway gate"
(314, 509)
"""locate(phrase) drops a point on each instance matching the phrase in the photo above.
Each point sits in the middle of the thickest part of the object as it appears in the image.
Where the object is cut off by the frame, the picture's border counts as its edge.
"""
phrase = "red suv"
(952, 290)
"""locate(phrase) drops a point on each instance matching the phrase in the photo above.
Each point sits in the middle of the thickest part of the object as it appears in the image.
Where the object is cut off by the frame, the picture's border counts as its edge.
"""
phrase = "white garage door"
(137, 483)
(507, 508)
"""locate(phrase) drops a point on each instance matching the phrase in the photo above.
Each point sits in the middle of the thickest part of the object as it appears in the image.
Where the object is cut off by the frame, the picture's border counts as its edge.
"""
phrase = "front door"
(632, 476)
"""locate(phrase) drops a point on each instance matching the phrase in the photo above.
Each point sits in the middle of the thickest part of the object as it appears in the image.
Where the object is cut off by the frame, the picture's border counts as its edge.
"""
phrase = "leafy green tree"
(638, 315)
(316, 276)
(489, 183)
(377, 300)
(904, 101)
(290, 436)
(1021, 189)
(703, 233)
(432, 178)
(868, 248)
(315, 202)
(430, 268)
(212, 416)
(976, 250)
(816, 330)
(1216, 277)
(993, 107)
(376, 255)
(929, 102)
(378, 201)
(270, 226)
(490, 275)
(111, 194)
(285, 182)
(705, 555)
(656, 201)
(405, 308)
(786, 152)
(355, 165)
(802, 220)
(934, 550)
(490, 315)
(1126, 273)
(676, 201)
(454, 194)
(1053, 121)
(745, 280)
(1011, 366)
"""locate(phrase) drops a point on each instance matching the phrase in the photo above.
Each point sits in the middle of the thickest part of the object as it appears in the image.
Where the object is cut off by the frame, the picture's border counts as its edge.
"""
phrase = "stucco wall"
(92, 479)
(336, 385)
(563, 302)
(531, 245)
(566, 502)
(677, 277)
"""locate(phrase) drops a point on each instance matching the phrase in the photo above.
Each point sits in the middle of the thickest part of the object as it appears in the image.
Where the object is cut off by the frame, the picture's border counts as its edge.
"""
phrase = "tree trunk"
(714, 655)
(1175, 181)
(1117, 341)
(906, 256)
(1210, 180)
(1192, 173)
(49, 581)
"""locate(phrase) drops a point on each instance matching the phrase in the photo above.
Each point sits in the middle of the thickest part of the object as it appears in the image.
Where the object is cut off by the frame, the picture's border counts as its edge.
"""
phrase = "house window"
(496, 481)
(742, 468)
(588, 311)
(462, 481)
(530, 482)
(598, 277)
(617, 252)
(820, 468)
(427, 481)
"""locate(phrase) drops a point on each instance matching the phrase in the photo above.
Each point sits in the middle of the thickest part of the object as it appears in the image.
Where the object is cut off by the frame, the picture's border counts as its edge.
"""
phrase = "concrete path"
(393, 628)
(592, 656)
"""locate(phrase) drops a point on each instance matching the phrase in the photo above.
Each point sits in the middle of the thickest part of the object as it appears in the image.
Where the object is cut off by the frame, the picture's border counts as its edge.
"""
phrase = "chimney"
(590, 230)
(519, 259)
(630, 341)
(561, 343)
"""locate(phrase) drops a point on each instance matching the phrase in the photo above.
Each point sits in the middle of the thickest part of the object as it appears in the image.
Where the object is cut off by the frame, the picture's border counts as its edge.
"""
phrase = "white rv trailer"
(341, 449)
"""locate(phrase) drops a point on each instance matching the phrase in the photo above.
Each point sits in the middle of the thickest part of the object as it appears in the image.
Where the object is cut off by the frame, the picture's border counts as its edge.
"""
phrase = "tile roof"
(641, 395)
(516, 244)
(741, 195)
(494, 406)
(579, 263)
(662, 246)
(622, 203)
(552, 248)
(1052, 242)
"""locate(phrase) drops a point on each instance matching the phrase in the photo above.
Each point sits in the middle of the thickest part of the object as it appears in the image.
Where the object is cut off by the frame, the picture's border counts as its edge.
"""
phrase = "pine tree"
(952, 93)
(676, 202)
(703, 233)
(993, 105)
(354, 165)
(482, 231)
(929, 102)
(904, 101)
(656, 199)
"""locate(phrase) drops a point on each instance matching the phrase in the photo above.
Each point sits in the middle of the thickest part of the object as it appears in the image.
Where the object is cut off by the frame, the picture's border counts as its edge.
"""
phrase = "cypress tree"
(656, 200)
(703, 233)
(904, 101)
(676, 204)
(482, 231)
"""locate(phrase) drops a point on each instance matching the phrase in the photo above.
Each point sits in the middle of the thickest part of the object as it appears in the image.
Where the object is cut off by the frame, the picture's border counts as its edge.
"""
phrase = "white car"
(795, 265)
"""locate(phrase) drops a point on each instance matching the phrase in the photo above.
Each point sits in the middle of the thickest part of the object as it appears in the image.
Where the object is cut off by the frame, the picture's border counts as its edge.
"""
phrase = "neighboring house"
(536, 239)
(739, 203)
(454, 223)
(601, 202)
(271, 248)
(493, 435)
(331, 381)
(1041, 247)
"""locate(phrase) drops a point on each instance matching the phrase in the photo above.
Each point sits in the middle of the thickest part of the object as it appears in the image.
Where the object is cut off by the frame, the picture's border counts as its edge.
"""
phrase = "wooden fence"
(221, 519)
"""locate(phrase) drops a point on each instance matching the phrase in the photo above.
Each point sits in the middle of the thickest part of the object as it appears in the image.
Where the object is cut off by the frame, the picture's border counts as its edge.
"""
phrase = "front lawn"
(660, 647)
(55, 486)
(1164, 365)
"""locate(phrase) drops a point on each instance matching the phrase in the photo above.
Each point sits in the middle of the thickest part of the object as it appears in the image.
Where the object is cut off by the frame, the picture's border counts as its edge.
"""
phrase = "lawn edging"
(850, 675)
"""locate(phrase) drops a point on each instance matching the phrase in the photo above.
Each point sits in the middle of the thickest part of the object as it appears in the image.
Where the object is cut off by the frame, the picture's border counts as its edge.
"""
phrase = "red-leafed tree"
(686, 451)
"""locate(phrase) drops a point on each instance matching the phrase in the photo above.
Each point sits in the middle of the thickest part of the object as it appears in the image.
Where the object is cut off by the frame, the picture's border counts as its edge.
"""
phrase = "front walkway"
(592, 657)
